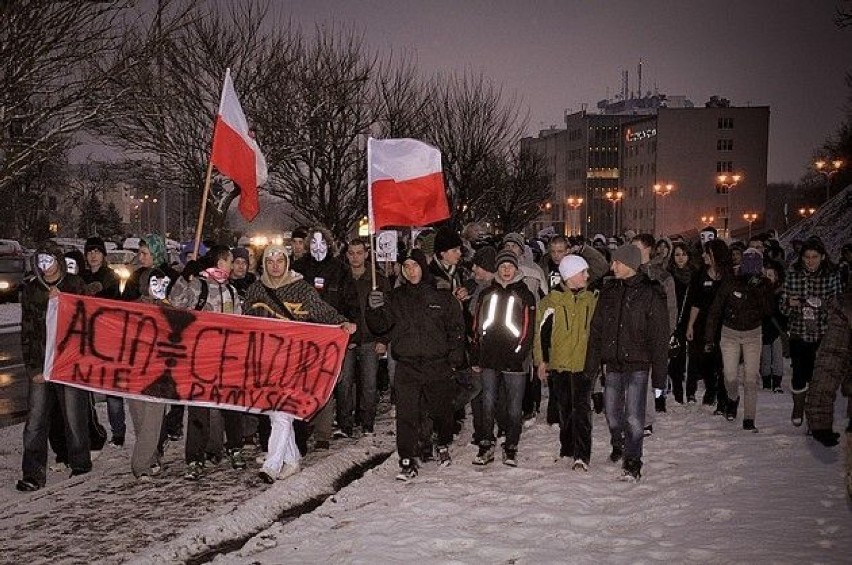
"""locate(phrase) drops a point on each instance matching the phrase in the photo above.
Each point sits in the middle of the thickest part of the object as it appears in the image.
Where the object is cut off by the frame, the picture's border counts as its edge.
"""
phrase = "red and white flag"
(405, 184)
(235, 152)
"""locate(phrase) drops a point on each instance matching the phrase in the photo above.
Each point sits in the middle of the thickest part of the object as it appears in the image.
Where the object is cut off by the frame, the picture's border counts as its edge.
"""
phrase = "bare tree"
(519, 185)
(323, 179)
(402, 100)
(472, 125)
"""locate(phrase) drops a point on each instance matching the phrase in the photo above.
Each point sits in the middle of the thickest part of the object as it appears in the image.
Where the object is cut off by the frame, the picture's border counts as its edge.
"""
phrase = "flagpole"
(200, 225)
(371, 227)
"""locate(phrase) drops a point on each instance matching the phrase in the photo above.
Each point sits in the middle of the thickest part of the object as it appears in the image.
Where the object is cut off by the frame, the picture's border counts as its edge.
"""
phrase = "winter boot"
(598, 402)
(660, 404)
(748, 425)
(798, 408)
(776, 384)
(767, 382)
(616, 454)
(731, 409)
(631, 471)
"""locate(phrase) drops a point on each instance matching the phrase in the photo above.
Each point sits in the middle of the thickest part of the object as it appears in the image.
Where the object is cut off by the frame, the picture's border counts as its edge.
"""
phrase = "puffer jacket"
(504, 326)
(833, 365)
(563, 323)
(741, 304)
(630, 329)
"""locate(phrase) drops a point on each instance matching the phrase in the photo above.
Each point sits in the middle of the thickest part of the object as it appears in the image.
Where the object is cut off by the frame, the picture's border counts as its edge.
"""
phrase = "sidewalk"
(107, 516)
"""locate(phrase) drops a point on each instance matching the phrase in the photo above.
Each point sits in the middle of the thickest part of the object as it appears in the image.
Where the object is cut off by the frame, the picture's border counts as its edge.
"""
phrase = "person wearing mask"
(502, 342)
(425, 329)
(283, 293)
(210, 291)
(630, 335)
(44, 398)
(563, 322)
(101, 281)
(739, 307)
(809, 285)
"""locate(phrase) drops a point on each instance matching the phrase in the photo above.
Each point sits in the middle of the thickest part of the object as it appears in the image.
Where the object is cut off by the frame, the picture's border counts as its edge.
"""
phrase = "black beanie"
(485, 258)
(95, 243)
(446, 239)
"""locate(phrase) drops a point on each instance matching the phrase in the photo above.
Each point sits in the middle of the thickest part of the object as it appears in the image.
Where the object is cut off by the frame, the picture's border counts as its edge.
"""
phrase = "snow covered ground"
(710, 493)
(10, 317)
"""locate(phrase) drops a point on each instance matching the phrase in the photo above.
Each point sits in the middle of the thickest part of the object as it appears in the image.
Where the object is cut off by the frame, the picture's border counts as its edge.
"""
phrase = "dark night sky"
(557, 54)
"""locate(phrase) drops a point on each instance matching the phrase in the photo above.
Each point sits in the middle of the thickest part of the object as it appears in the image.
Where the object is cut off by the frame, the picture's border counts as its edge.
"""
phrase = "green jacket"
(562, 329)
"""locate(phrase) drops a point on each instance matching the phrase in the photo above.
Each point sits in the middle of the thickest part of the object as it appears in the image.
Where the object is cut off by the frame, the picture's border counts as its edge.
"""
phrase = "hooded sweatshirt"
(34, 297)
(504, 325)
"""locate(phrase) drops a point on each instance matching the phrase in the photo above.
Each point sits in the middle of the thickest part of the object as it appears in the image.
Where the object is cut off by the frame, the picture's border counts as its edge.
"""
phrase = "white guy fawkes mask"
(71, 266)
(45, 261)
(319, 247)
(706, 236)
(157, 287)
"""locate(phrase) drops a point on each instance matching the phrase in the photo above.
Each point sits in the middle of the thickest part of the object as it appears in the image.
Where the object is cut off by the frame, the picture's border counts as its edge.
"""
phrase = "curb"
(201, 543)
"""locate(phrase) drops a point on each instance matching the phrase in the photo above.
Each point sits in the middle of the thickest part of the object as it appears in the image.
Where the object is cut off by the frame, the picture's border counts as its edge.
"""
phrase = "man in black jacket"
(630, 335)
(101, 281)
(426, 332)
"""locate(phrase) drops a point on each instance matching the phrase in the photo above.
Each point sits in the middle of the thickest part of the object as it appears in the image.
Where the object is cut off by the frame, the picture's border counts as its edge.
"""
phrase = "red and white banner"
(209, 359)
(235, 152)
(405, 184)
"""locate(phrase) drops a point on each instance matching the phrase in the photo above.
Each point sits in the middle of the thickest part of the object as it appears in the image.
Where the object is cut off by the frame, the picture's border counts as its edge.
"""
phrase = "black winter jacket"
(741, 303)
(503, 337)
(630, 329)
(325, 276)
(422, 324)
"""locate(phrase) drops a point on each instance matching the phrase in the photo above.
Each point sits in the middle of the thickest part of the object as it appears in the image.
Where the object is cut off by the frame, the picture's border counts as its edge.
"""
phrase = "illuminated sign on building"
(640, 135)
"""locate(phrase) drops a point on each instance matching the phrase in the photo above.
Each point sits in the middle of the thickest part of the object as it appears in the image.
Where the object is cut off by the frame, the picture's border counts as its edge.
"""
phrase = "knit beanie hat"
(240, 253)
(506, 256)
(752, 263)
(629, 255)
(571, 265)
(446, 239)
(485, 258)
(515, 238)
(95, 243)
(157, 246)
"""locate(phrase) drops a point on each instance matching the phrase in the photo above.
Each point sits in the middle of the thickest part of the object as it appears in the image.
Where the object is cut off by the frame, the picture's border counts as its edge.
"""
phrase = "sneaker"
(59, 466)
(427, 454)
(691, 400)
(510, 457)
(79, 472)
(117, 441)
(214, 458)
(322, 445)
(444, 459)
(260, 459)
(368, 431)
(749, 425)
(648, 431)
(342, 433)
(27, 485)
(616, 454)
(407, 470)
(660, 404)
(266, 476)
(631, 472)
(175, 436)
(156, 469)
(95, 453)
(235, 456)
(580, 465)
(288, 470)
(485, 455)
(778, 390)
(194, 471)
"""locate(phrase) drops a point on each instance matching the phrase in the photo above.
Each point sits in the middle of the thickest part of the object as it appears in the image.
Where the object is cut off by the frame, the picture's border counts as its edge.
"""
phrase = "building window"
(725, 144)
(724, 166)
(726, 123)
(721, 211)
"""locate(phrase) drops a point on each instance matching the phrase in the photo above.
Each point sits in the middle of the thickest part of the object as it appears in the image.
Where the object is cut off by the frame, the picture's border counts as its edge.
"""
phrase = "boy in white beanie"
(559, 351)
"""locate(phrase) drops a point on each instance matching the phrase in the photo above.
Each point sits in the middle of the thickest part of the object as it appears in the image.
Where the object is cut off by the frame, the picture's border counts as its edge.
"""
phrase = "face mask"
(157, 287)
(706, 236)
(319, 247)
(45, 262)
(71, 266)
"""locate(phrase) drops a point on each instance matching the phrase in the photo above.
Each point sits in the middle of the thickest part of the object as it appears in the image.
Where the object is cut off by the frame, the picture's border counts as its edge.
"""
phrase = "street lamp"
(728, 182)
(827, 169)
(806, 212)
(660, 190)
(614, 196)
(750, 217)
(574, 202)
(707, 221)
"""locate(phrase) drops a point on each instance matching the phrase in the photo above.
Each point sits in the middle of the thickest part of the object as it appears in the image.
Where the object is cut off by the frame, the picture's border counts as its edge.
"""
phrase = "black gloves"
(376, 299)
(828, 438)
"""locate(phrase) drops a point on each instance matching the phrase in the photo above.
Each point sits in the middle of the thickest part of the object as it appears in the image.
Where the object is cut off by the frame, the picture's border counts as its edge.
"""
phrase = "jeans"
(624, 396)
(358, 376)
(772, 359)
(147, 422)
(802, 358)
(115, 414)
(512, 386)
(748, 343)
(572, 395)
(43, 400)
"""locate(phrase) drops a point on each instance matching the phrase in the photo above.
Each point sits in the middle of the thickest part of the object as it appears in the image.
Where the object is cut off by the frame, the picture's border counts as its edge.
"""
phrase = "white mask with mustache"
(45, 261)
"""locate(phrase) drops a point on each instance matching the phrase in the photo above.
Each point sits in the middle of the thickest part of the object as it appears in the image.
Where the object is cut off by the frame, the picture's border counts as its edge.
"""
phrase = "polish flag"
(405, 184)
(235, 152)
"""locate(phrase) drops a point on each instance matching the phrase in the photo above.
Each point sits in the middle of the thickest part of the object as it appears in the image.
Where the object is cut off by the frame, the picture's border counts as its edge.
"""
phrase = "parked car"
(12, 270)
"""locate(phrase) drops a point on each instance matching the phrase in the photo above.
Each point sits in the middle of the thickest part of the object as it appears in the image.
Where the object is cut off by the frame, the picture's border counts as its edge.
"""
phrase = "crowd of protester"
(472, 324)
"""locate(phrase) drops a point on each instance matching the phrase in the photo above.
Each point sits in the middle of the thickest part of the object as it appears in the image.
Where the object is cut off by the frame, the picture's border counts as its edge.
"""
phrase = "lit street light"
(806, 212)
(574, 202)
(827, 169)
(750, 217)
(707, 221)
(614, 196)
(660, 190)
(728, 182)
